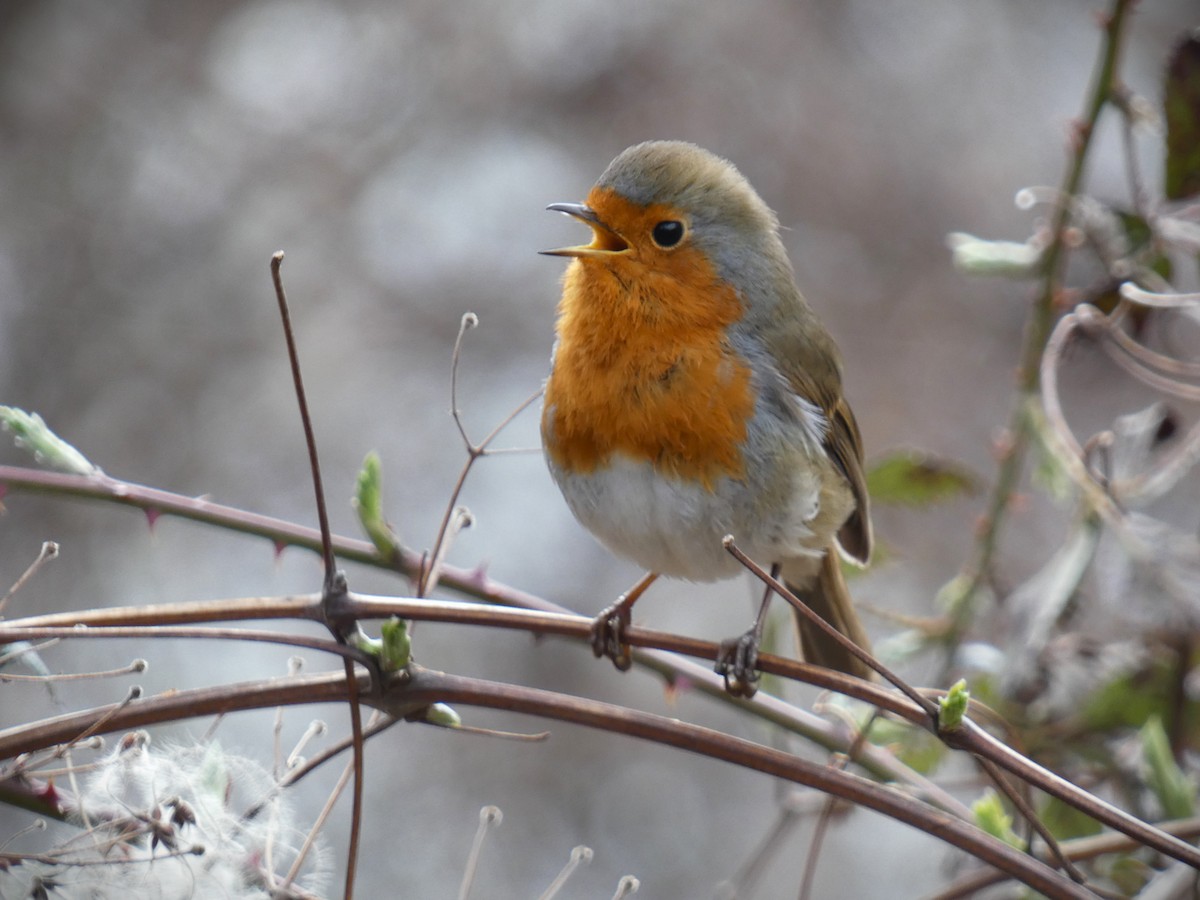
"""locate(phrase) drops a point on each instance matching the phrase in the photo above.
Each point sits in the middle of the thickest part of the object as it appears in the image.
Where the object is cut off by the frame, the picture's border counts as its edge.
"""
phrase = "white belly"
(676, 528)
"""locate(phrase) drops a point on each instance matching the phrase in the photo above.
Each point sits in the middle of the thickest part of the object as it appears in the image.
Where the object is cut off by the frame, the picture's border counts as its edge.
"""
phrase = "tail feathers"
(828, 596)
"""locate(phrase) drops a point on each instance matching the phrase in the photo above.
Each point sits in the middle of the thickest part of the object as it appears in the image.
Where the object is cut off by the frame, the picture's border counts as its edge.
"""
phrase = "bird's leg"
(738, 662)
(608, 628)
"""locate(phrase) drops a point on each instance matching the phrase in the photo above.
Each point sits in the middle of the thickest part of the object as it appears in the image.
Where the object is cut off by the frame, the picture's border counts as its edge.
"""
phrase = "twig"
(466, 323)
(970, 737)
(322, 818)
(1144, 487)
(424, 687)
(978, 742)
(17, 632)
(316, 728)
(429, 572)
(930, 708)
(580, 855)
(696, 739)
(1079, 849)
(746, 877)
(1038, 328)
(1030, 815)
(490, 817)
(353, 696)
(1131, 291)
(833, 738)
(1135, 359)
(372, 729)
(814, 847)
(305, 420)
(48, 552)
(133, 668)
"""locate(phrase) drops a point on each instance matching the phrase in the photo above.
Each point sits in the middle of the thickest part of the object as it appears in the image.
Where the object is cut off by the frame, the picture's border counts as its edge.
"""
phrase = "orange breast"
(644, 368)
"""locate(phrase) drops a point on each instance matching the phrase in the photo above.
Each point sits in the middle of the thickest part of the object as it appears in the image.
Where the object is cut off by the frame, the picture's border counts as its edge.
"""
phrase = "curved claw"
(738, 665)
(608, 636)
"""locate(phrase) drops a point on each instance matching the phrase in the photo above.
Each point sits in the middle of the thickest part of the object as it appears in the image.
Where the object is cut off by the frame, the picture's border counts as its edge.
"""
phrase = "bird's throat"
(647, 372)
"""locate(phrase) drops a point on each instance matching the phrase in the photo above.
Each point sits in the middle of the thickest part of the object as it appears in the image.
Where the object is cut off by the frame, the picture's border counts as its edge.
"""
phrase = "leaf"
(1144, 255)
(991, 816)
(953, 706)
(1130, 699)
(1036, 606)
(1174, 790)
(1065, 821)
(31, 433)
(913, 478)
(368, 503)
(397, 645)
(1006, 259)
(1181, 108)
(915, 747)
(1139, 234)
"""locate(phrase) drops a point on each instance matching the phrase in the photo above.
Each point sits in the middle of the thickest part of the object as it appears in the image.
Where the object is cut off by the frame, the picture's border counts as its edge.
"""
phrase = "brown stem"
(1038, 327)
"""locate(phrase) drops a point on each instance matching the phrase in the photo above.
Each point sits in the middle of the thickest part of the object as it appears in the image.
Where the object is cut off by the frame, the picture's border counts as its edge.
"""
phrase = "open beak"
(605, 241)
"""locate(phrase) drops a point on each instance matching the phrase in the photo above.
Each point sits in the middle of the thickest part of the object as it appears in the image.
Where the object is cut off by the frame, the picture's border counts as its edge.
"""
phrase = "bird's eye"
(668, 233)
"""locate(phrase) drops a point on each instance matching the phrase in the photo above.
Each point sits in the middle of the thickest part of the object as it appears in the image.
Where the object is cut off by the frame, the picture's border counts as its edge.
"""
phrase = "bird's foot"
(608, 635)
(738, 664)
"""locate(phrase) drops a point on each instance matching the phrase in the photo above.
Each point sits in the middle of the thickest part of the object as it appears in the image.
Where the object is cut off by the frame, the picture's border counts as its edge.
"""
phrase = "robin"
(694, 394)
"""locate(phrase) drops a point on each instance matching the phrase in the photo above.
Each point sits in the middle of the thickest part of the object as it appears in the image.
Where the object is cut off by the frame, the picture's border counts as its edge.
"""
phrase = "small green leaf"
(31, 433)
(1129, 700)
(1174, 790)
(1049, 475)
(393, 648)
(952, 595)
(953, 707)
(397, 645)
(1139, 235)
(901, 646)
(991, 816)
(913, 478)
(1181, 108)
(1007, 259)
(1065, 821)
(364, 642)
(368, 503)
(1129, 875)
(915, 747)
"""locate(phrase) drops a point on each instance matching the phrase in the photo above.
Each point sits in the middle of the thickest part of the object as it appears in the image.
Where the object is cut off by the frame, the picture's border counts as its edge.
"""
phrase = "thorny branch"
(1041, 319)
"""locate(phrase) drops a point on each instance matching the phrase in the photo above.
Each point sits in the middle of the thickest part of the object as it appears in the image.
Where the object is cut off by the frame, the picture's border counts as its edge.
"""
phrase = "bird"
(694, 394)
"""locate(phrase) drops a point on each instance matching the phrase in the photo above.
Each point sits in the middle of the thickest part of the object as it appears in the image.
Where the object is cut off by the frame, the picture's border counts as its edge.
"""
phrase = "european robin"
(695, 394)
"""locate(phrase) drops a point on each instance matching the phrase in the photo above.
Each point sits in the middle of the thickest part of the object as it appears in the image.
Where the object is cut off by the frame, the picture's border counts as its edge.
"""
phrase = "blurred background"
(154, 155)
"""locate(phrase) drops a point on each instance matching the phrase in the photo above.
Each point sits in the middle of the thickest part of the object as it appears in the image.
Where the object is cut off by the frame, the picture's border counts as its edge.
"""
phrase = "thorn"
(1003, 444)
(675, 686)
(1077, 133)
(670, 692)
(280, 546)
(49, 794)
(982, 524)
(478, 576)
(152, 515)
